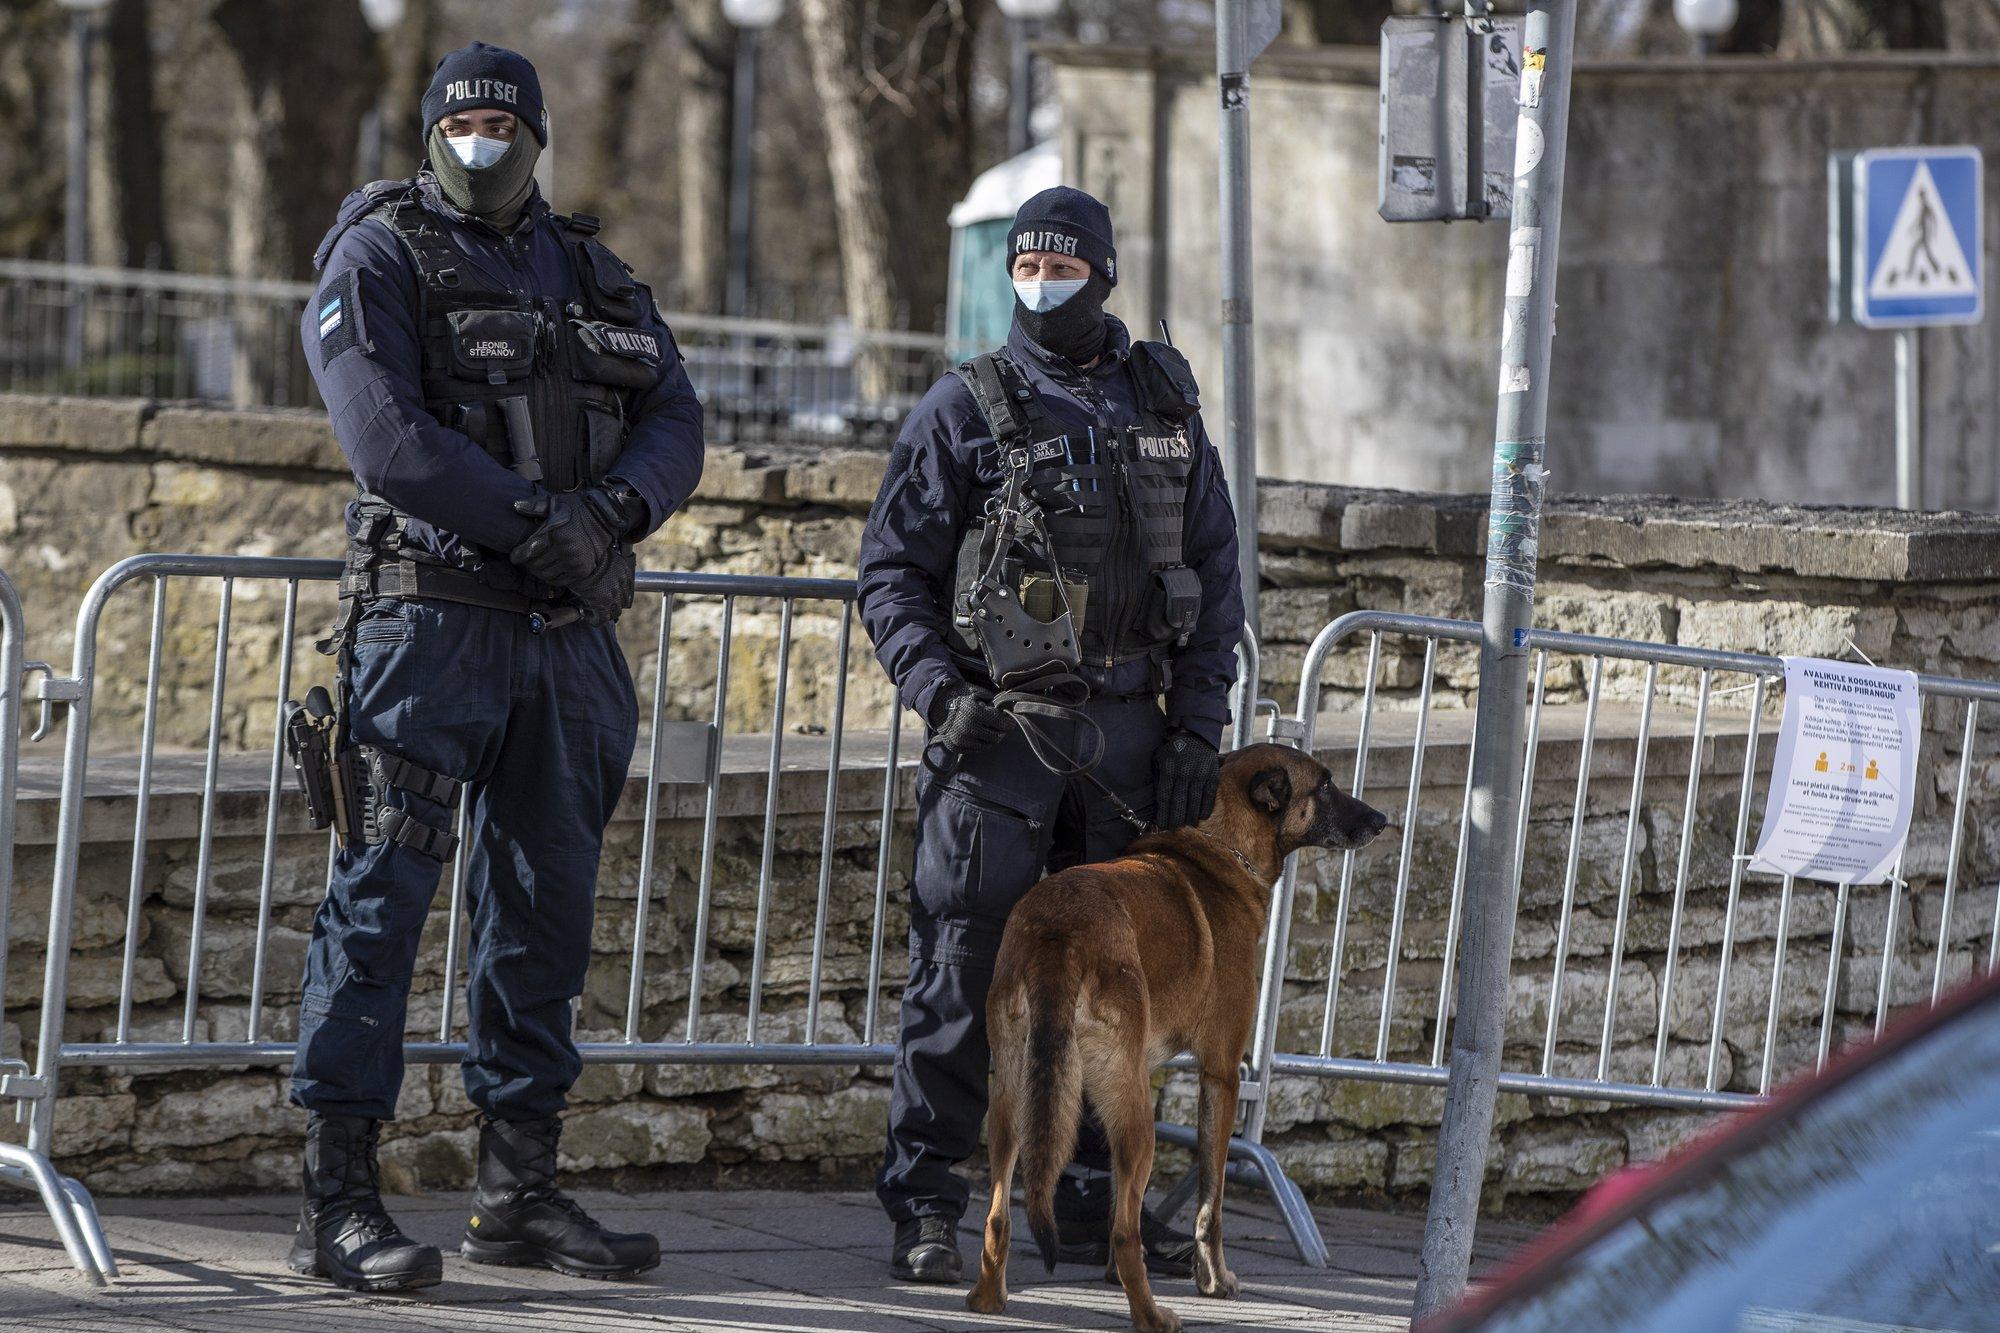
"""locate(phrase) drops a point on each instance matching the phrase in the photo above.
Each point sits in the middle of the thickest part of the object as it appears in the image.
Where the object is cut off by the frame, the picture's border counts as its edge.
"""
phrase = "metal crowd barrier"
(68, 1202)
(679, 752)
(1559, 1064)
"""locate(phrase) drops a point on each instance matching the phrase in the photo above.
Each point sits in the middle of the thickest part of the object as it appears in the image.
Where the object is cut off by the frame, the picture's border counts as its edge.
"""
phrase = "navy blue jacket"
(455, 490)
(944, 466)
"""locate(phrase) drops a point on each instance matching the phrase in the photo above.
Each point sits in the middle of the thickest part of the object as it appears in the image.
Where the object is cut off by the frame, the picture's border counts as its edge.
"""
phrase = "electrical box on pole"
(1446, 146)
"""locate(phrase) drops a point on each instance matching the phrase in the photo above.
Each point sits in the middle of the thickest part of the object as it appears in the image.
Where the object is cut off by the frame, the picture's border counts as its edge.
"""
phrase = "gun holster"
(342, 784)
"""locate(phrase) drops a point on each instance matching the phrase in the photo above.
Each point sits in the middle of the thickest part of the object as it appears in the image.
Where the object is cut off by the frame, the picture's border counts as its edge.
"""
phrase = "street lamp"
(1705, 21)
(1024, 21)
(751, 17)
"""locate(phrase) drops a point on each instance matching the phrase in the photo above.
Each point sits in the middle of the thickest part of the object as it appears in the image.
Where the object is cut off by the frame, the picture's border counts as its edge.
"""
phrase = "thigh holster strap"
(393, 825)
(393, 771)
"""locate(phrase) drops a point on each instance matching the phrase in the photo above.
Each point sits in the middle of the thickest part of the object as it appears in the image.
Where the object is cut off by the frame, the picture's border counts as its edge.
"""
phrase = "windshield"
(1876, 1207)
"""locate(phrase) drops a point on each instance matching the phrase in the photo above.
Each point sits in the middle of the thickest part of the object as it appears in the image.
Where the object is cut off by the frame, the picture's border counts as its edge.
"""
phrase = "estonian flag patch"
(339, 316)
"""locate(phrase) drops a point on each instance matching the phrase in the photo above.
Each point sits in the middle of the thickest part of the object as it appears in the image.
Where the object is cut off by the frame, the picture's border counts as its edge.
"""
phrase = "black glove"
(1187, 772)
(578, 529)
(607, 590)
(967, 720)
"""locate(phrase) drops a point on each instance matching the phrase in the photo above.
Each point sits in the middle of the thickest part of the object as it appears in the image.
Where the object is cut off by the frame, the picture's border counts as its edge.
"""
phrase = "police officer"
(516, 415)
(1100, 434)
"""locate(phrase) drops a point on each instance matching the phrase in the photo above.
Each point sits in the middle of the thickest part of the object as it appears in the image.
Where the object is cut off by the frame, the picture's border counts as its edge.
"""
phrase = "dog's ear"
(1271, 790)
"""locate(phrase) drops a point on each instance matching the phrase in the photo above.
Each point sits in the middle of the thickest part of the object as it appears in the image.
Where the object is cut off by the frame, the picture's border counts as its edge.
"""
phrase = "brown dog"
(1107, 970)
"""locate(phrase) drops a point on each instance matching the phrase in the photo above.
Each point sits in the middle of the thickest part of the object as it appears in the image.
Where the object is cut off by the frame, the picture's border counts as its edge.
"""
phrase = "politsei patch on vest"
(1160, 448)
(629, 342)
(485, 90)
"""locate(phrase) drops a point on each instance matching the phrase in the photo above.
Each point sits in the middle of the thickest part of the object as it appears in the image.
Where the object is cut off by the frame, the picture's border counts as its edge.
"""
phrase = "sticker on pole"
(1844, 775)
(1918, 257)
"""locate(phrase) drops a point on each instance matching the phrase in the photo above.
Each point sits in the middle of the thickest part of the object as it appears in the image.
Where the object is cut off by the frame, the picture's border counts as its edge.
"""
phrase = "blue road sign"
(1918, 255)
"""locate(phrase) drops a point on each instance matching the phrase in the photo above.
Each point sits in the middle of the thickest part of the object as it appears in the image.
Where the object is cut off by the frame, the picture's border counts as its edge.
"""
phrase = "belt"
(409, 579)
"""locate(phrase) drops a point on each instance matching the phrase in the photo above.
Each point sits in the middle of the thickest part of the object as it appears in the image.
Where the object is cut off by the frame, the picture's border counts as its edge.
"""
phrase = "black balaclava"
(474, 76)
(494, 194)
(1075, 330)
(1067, 221)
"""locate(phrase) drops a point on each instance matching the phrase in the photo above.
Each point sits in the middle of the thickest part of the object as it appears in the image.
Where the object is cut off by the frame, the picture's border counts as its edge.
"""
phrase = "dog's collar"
(1241, 859)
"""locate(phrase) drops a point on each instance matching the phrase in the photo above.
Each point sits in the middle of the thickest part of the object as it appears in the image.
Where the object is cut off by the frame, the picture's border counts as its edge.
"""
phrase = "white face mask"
(476, 150)
(1039, 295)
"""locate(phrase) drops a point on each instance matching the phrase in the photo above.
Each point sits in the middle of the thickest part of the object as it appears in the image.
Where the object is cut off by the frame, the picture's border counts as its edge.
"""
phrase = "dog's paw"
(982, 1301)
(1222, 1287)
(1163, 1321)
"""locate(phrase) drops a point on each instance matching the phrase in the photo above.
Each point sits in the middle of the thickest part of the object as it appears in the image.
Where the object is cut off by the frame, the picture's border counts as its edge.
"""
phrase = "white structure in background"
(979, 301)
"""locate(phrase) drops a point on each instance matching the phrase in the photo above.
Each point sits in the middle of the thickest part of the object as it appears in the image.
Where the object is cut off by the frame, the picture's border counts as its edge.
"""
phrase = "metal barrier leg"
(88, 1223)
(1300, 1223)
(31, 1171)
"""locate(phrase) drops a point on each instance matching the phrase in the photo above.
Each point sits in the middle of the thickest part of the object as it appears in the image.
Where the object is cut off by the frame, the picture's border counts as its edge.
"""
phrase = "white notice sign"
(1844, 775)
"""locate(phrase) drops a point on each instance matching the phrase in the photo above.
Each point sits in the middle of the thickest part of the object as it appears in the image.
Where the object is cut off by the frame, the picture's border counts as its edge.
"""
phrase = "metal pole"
(742, 170)
(1021, 87)
(1239, 426)
(1513, 527)
(1909, 420)
(76, 194)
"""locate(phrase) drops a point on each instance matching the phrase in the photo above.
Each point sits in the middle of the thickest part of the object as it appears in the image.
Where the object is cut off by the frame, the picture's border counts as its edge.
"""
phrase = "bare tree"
(293, 147)
(893, 79)
(860, 208)
(409, 57)
(706, 64)
(31, 105)
(128, 207)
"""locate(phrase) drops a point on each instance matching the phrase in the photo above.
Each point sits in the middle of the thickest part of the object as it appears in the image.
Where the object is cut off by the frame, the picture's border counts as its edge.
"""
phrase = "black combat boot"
(927, 1250)
(520, 1217)
(344, 1232)
(1083, 1228)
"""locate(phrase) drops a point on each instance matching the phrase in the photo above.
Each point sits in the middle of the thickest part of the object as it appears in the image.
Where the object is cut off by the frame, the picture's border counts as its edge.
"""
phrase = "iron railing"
(150, 334)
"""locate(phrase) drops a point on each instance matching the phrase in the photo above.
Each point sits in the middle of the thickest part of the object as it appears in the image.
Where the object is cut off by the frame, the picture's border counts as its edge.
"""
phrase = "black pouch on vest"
(491, 345)
(1173, 604)
(613, 294)
(1166, 383)
(621, 357)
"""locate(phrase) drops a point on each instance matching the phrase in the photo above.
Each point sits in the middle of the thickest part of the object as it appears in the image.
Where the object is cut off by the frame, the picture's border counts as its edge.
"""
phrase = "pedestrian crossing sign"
(1917, 239)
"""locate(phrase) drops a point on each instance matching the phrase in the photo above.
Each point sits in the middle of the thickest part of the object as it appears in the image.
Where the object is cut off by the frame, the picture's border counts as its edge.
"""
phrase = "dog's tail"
(1054, 1101)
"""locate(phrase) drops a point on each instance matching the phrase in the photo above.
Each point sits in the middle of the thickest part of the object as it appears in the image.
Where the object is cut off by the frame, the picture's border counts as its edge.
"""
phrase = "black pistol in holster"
(331, 777)
(343, 783)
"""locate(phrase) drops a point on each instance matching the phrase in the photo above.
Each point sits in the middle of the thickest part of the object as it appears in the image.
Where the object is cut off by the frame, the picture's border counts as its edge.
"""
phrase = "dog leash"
(1043, 699)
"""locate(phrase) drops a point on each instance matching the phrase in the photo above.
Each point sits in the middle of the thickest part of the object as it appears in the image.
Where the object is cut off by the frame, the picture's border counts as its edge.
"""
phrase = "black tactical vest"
(542, 386)
(1114, 501)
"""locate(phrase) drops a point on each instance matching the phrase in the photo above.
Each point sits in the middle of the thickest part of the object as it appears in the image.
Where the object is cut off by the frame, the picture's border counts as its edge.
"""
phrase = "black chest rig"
(542, 384)
(1113, 504)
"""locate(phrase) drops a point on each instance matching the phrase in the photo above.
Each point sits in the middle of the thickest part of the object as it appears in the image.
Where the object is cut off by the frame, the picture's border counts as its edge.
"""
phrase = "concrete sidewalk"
(749, 1260)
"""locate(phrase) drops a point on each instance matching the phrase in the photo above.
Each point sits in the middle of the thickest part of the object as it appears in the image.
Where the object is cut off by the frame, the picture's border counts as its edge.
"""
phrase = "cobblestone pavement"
(749, 1260)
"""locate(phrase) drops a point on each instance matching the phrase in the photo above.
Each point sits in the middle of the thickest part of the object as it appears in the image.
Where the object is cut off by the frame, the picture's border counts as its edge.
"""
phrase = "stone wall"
(1694, 352)
(83, 484)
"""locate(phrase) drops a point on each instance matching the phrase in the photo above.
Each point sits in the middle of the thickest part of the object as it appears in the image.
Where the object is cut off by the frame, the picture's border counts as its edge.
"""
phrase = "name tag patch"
(1047, 451)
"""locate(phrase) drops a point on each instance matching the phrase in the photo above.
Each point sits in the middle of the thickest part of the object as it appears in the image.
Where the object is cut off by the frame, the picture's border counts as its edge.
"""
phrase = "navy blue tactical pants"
(541, 728)
(987, 834)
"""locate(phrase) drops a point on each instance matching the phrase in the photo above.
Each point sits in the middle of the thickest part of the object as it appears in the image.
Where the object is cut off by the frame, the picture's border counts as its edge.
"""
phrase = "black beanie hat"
(1068, 222)
(486, 76)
